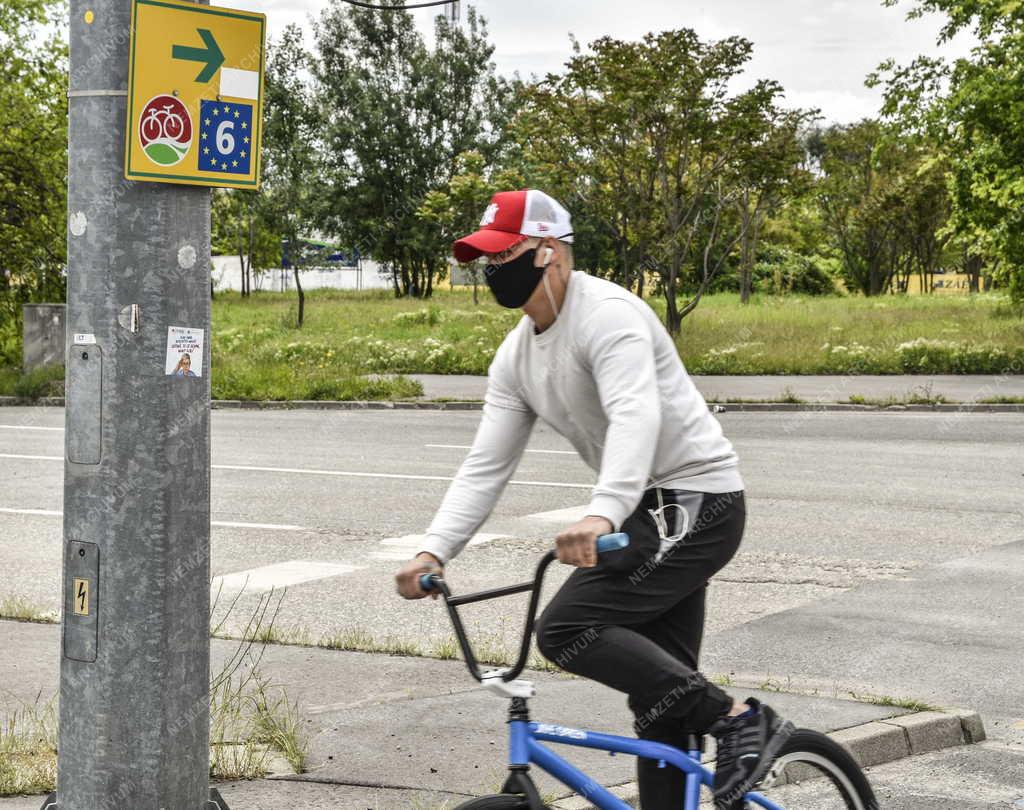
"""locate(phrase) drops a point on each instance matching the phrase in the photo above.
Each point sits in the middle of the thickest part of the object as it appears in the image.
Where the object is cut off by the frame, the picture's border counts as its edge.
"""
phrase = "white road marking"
(391, 476)
(29, 427)
(277, 527)
(402, 548)
(528, 450)
(339, 473)
(279, 575)
(42, 512)
(566, 516)
(228, 524)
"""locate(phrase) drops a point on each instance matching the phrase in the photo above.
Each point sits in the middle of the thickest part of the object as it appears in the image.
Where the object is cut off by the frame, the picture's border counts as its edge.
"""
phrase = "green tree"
(770, 171)
(853, 192)
(970, 109)
(290, 201)
(456, 209)
(241, 228)
(33, 152)
(397, 115)
(650, 135)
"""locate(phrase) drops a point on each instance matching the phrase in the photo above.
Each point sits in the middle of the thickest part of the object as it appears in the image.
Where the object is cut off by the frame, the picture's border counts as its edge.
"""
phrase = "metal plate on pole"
(84, 412)
(81, 600)
(195, 95)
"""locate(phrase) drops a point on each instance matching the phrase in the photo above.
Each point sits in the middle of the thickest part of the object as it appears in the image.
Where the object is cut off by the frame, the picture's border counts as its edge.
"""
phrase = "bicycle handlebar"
(431, 582)
(606, 542)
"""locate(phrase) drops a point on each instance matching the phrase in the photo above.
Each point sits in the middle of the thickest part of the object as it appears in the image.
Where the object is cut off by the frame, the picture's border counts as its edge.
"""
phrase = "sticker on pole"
(184, 352)
(195, 94)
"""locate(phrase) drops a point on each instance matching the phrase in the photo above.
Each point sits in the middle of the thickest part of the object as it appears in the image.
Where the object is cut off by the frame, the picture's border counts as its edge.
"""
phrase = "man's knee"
(547, 637)
(559, 639)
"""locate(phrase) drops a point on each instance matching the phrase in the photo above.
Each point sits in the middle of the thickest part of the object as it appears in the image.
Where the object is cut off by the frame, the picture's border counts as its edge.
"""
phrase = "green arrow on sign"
(211, 55)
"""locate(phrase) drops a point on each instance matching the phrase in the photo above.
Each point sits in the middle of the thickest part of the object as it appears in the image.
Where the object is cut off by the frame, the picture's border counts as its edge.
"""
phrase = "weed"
(910, 704)
(21, 610)
(446, 650)
(788, 395)
(249, 716)
(28, 748)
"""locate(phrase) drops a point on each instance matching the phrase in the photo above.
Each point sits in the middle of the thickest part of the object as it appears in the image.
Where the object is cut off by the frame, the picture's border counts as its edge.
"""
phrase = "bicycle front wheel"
(814, 772)
(502, 802)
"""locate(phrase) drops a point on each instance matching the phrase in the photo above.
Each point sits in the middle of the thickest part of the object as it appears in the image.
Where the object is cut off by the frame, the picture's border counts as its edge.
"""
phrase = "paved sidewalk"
(821, 388)
(391, 732)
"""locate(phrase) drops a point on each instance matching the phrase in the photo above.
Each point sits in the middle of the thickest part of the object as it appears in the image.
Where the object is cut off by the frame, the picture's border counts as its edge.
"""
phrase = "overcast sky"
(819, 50)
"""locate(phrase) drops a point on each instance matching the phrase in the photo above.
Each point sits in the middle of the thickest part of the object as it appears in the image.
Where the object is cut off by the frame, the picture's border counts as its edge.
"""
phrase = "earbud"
(548, 253)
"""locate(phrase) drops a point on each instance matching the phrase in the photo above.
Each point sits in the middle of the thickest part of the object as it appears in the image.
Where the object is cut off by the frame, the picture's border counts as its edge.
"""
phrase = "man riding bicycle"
(593, 361)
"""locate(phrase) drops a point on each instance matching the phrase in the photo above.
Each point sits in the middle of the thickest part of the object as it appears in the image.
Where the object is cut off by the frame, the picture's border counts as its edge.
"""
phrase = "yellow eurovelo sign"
(195, 95)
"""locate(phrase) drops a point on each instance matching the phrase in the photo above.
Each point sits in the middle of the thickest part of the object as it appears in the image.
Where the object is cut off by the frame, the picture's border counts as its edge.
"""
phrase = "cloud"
(817, 50)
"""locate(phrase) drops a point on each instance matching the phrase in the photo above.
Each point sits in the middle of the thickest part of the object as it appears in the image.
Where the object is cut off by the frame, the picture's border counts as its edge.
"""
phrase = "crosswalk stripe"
(279, 575)
(402, 548)
(568, 515)
(528, 450)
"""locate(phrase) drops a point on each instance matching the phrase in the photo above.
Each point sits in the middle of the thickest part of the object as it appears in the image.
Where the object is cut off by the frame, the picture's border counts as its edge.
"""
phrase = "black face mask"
(514, 281)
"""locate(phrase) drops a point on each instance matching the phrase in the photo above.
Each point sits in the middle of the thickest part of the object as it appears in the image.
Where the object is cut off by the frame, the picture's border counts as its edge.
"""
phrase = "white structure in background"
(367, 275)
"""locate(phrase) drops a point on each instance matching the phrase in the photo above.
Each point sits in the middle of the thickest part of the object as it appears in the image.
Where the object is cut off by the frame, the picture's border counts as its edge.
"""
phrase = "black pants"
(636, 621)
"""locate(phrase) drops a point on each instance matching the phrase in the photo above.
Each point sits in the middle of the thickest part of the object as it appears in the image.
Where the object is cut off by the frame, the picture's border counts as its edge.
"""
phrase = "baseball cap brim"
(484, 241)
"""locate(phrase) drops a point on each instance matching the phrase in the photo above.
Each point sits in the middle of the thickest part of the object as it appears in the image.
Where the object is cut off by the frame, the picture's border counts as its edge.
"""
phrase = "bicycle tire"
(805, 758)
(504, 801)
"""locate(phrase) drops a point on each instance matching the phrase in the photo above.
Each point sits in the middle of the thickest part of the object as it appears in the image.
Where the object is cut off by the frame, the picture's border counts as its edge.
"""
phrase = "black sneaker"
(747, 747)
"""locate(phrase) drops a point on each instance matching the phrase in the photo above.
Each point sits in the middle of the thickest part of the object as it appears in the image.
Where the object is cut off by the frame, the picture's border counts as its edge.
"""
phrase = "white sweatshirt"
(607, 376)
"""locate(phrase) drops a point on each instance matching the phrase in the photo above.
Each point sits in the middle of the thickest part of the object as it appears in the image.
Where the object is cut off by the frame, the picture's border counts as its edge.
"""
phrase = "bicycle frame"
(525, 749)
(525, 736)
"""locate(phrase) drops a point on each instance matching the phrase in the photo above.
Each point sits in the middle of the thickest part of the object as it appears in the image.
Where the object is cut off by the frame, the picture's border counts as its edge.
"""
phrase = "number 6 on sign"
(225, 140)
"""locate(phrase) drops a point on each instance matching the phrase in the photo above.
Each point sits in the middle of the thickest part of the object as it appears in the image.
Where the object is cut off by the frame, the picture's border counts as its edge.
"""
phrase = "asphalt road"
(329, 501)
(883, 556)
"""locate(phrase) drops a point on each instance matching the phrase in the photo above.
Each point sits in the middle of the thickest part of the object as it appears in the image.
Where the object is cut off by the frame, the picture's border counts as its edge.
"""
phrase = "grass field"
(351, 339)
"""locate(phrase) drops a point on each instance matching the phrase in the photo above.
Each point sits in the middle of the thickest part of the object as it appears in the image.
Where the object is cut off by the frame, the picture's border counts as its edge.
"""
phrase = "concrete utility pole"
(134, 685)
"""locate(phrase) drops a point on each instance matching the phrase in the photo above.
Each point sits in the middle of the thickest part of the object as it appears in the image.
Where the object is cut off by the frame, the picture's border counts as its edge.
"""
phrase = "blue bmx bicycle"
(811, 771)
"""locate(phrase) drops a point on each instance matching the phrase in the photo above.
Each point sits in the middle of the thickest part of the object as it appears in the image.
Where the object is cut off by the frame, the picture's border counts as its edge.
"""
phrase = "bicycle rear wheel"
(814, 772)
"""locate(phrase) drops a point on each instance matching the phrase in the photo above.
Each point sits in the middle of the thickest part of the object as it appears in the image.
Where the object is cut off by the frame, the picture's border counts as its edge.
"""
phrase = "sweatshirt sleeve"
(501, 438)
(620, 350)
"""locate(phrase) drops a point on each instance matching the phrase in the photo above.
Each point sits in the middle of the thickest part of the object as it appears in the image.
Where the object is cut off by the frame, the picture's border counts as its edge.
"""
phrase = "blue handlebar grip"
(426, 582)
(612, 542)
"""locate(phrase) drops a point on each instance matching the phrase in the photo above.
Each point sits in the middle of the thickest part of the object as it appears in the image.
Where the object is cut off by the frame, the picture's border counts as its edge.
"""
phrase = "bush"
(47, 381)
(925, 356)
(10, 336)
(428, 316)
(782, 271)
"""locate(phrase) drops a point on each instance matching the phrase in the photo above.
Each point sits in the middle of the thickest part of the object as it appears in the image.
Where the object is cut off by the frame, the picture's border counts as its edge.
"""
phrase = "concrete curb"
(870, 744)
(433, 405)
(945, 407)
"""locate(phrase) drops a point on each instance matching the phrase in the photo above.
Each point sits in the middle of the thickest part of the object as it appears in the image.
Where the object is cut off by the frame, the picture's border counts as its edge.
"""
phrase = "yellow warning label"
(80, 596)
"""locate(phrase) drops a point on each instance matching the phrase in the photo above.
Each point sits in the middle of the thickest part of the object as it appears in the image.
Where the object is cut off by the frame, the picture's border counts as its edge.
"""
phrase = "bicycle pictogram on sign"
(165, 130)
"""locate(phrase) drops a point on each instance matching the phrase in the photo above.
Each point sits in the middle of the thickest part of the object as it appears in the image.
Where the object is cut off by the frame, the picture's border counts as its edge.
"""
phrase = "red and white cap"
(512, 217)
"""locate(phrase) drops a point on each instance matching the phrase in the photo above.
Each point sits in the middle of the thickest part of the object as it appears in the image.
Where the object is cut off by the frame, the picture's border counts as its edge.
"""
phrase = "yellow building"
(942, 283)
